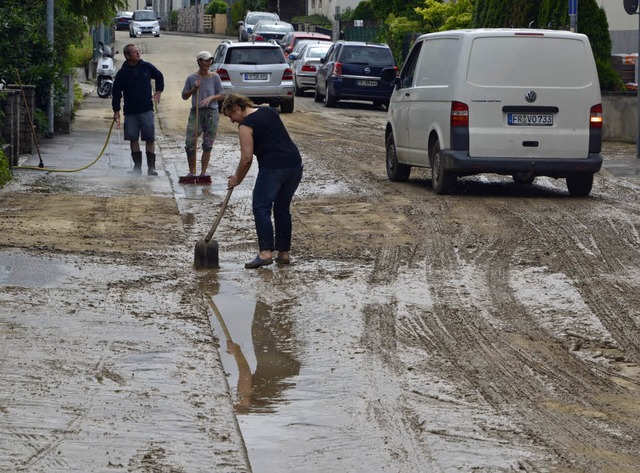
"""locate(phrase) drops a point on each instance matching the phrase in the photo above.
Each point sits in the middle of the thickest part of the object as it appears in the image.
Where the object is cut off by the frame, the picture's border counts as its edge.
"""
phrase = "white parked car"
(518, 102)
(144, 22)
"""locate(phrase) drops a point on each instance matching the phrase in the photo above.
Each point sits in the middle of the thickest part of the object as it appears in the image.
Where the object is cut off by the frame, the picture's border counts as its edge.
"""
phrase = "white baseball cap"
(204, 55)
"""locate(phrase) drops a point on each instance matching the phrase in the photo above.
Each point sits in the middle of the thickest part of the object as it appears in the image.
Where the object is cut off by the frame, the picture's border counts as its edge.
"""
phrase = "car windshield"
(297, 40)
(254, 17)
(145, 16)
(313, 53)
(255, 56)
(367, 55)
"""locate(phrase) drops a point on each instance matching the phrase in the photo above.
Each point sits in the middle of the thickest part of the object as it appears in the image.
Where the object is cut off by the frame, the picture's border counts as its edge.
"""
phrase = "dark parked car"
(122, 20)
(351, 70)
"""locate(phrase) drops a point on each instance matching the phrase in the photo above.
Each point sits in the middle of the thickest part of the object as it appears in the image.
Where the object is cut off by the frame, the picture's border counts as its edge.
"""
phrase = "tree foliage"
(438, 16)
(505, 13)
(364, 11)
(26, 56)
(430, 16)
(554, 14)
(216, 7)
(406, 8)
(95, 11)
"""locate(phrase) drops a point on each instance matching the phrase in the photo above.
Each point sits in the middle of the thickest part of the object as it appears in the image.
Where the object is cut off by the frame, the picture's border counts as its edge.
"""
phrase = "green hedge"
(5, 171)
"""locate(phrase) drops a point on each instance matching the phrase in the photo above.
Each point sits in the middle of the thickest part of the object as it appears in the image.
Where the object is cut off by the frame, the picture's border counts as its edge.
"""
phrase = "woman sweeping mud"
(262, 133)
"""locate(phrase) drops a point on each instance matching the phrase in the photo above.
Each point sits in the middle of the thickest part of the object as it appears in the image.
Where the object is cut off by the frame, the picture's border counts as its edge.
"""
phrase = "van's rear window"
(529, 61)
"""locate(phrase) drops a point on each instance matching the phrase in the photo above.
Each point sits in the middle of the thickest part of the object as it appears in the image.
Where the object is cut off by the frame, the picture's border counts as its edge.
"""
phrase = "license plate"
(367, 83)
(253, 76)
(530, 119)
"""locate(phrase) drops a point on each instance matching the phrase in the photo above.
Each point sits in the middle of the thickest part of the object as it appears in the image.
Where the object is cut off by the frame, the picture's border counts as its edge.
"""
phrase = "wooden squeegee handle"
(219, 217)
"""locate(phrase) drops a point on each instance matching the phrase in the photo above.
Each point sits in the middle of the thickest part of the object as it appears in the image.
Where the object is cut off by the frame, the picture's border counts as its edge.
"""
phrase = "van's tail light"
(595, 118)
(459, 114)
(308, 68)
(287, 74)
(224, 75)
(258, 38)
(337, 70)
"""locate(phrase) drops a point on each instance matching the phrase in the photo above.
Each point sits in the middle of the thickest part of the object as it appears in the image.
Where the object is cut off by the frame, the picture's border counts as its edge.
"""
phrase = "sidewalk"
(108, 358)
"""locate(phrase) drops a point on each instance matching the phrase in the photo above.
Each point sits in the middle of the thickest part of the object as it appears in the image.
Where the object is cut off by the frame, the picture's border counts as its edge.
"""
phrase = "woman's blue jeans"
(274, 191)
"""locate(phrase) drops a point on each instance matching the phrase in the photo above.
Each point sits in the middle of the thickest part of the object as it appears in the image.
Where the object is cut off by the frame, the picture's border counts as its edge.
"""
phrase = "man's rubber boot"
(137, 162)
(151, 164)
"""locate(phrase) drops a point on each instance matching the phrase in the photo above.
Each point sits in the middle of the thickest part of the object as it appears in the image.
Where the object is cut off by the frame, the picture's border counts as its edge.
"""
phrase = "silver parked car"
(245, 27)
(305, 65)
(144, 22)
(300, 45)
(268, 30)
(255, 70)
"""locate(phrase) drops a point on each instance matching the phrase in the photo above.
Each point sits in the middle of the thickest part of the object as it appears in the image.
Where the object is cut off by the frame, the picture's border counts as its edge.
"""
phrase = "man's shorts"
(208, 119)
(140, 125)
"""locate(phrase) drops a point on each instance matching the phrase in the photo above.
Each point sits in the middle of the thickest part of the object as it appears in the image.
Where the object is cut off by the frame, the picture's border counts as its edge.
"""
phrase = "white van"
(519, 102)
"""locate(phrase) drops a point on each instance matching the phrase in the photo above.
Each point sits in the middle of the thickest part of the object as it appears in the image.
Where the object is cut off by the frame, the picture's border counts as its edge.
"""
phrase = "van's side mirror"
(241, 23)
(390, 75)
(323, 59)
(292, 57)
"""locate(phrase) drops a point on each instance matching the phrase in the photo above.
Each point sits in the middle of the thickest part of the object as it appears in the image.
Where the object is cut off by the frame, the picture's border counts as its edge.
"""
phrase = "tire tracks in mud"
(456, 336)
(487, 339)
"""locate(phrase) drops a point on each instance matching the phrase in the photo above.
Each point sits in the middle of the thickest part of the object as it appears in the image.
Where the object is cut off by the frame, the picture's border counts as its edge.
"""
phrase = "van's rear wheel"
(580, 185)
(441, 180)
(395, 170)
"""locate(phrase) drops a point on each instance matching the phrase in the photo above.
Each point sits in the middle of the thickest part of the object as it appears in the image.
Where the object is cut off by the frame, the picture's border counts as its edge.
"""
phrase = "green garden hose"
(106, 143)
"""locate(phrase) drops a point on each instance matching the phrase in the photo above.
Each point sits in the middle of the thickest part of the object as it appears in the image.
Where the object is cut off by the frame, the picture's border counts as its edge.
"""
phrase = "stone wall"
(620, 113)
(193, 20)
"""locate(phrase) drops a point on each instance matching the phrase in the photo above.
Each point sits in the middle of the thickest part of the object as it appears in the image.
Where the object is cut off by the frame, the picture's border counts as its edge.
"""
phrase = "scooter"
(106, 71)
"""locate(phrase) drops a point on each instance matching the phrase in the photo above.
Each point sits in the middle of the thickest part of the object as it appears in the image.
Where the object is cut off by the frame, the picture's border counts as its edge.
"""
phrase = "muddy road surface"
(493, 329)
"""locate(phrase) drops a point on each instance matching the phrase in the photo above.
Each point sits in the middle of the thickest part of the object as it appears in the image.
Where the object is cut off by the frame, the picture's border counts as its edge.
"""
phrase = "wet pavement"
(107, 368)
(108, 359)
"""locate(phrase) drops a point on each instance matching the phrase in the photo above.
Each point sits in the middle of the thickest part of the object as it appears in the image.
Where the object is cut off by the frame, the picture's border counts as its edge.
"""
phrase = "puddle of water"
(255, 349)
(20, 269)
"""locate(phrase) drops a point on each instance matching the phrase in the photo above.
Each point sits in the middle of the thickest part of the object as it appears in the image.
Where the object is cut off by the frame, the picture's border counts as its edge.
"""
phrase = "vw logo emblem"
(367, 70)
(530, 96)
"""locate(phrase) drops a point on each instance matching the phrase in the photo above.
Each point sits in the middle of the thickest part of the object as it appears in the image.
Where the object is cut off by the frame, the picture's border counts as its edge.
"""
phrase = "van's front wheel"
(580, 185)
(441, 180)
(395, 170)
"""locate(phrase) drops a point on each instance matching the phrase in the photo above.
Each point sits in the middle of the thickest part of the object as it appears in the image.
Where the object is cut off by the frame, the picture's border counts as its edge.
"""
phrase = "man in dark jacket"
(134, 81)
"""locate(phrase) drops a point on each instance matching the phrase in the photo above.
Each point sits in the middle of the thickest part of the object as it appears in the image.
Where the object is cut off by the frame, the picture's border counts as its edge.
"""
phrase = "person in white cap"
(204, 87)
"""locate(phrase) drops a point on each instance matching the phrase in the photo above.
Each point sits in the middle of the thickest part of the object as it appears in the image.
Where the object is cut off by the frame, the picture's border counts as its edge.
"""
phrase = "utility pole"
(573, 16)
(50, 110)
(631, 7)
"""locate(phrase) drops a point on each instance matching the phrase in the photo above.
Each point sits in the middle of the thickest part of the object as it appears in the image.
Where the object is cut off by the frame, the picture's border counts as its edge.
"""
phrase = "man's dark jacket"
(135, 83)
